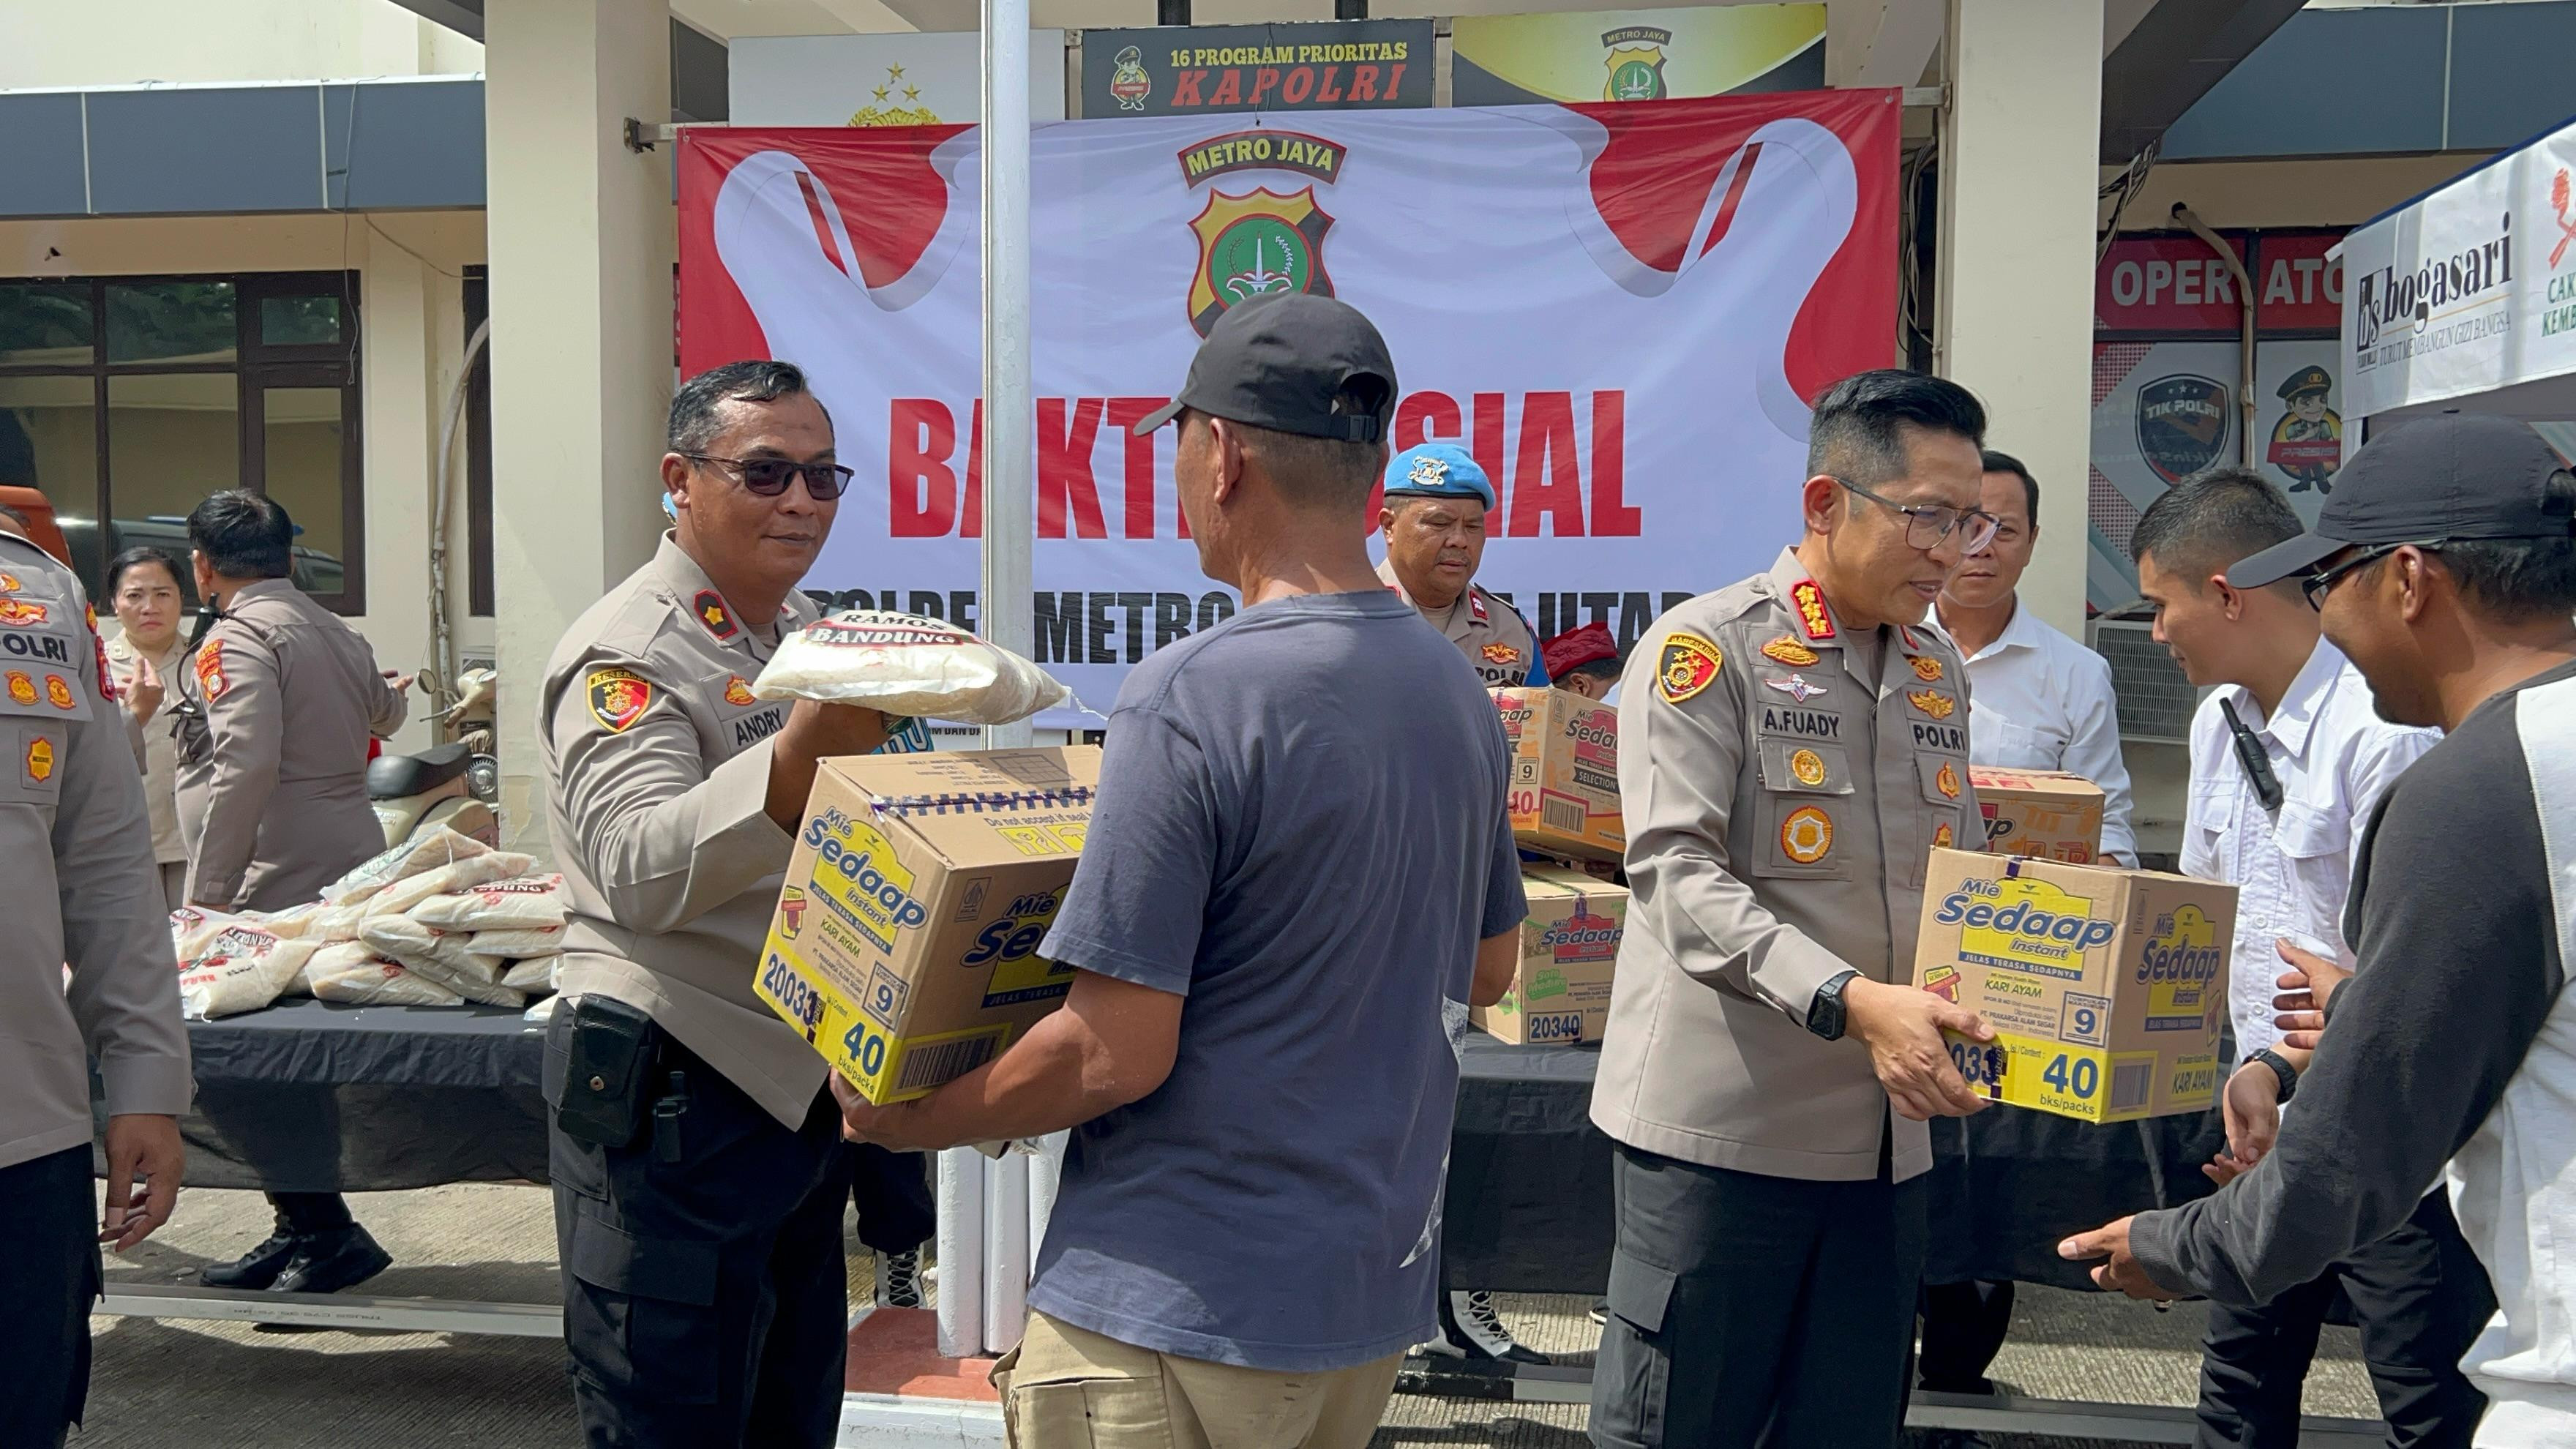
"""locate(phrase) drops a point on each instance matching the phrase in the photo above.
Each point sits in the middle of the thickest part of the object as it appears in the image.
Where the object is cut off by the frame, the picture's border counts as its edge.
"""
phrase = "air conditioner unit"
(2156, 699)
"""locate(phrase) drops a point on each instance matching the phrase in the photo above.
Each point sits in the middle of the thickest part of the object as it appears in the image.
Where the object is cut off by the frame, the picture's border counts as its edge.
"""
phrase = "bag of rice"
(515, 945)
(532, 975)
(422, 852)
(349, 974)
(436, 956)
(527, 903)
(904, 664)
(238, 968)
(460, 875)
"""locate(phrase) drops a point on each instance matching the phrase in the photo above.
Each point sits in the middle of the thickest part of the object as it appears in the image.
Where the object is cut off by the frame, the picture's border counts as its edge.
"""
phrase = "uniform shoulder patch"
(1786, 650)
(1686, 665)
(210, 670)
(713, 612)
(617, 697)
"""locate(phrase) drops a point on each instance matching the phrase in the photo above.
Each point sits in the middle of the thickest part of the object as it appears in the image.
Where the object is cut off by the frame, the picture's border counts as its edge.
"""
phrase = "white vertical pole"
(1010, 526)
(1010, 416)
(1006, 1250)
(961, 1252)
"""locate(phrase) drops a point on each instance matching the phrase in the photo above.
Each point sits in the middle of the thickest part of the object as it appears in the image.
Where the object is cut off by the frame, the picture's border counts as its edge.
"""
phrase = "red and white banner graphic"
(1622, 310)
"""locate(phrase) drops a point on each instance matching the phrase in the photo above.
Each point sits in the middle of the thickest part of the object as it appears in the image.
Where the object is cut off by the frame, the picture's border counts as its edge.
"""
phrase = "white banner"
(1621, 309)
(2469, 290)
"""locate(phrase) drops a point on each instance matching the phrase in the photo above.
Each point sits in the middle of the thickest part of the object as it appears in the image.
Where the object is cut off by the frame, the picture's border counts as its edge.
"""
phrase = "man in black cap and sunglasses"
(2444, 566)
(695, 1153)
(2287, 763)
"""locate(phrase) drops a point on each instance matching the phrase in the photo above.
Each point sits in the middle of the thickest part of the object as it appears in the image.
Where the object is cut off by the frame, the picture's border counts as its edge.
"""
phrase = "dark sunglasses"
(769, 477)
(2317, 585)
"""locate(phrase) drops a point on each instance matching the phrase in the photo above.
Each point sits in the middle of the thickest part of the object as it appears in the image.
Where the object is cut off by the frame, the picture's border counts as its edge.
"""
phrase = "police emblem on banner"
(1636, 63)
(1256, 244)
(2182, 425)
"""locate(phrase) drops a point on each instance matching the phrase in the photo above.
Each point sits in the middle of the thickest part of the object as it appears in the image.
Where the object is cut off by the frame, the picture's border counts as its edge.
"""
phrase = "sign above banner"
(2470, 290)
(1635, 55)
(1627, 336)
(1324, 65)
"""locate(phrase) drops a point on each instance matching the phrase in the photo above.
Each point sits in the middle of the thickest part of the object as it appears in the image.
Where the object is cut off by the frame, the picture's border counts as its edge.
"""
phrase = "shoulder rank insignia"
(1926, 669)
(1932, 702)
(738, 692)
(1790, 652)
(1686, 665)
(710, 608)
(617, 697)
(1808, 597)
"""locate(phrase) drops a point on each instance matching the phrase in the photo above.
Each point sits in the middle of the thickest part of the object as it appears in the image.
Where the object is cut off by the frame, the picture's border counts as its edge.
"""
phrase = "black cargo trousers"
(705, 1296)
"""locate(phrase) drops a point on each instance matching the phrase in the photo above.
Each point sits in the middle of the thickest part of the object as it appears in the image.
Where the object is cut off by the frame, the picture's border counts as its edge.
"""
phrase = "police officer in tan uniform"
(1437, 497)
(695, 1152)
(276, 707)
(79, 890)
(1791, 748)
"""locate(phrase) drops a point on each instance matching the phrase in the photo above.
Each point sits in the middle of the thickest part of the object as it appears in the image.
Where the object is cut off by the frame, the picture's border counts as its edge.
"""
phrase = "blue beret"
(1438, 470)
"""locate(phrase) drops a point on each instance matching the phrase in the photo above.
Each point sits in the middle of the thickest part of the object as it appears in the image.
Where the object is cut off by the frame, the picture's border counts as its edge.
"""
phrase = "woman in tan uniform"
(143, 588)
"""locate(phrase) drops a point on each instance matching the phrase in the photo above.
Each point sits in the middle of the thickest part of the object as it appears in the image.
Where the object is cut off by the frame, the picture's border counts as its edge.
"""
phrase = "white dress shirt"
(2292, 869)
(2038, 700)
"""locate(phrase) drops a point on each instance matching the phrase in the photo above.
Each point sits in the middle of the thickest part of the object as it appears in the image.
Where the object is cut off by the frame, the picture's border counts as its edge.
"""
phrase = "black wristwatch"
(2281, 1068)
(1825, 1013)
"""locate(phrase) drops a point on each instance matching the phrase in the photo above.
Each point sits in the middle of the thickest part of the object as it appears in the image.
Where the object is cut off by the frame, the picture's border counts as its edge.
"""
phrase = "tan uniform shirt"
(274, 805)
(160, 747)
(1783, 782)
(79, 887)
(657, 772)
(1490, 632)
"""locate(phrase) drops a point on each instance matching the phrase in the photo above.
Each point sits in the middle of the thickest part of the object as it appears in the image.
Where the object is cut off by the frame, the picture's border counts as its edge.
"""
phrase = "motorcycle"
(456, 785)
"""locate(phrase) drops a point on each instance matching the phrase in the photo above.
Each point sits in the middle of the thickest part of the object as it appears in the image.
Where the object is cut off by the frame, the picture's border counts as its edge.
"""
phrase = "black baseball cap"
(1279, 361)
(2436, 479)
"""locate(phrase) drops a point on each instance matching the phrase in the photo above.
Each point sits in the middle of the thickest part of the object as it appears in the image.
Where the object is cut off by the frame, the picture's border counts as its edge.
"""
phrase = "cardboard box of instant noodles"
(905, 943)
(2105, 987)
(1564, 791)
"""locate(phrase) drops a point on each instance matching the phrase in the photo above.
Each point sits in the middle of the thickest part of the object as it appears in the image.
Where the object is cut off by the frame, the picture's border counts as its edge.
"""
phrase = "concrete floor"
(163, 1383)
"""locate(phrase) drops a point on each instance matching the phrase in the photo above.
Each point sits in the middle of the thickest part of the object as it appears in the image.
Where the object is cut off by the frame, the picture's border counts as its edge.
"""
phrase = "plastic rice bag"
(904, 664)
(351, 974)
(237, 968)
(422, 852)
(515, 945)
(436, 956)
(458, 875)
(524, 903)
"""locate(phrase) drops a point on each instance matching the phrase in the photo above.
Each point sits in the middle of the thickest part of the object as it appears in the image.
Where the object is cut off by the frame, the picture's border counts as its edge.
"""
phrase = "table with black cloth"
(312, 1096)
(1529, 1210)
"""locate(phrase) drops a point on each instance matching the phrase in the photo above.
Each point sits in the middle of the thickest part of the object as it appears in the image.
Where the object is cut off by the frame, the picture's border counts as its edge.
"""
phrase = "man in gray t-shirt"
(1298, 876)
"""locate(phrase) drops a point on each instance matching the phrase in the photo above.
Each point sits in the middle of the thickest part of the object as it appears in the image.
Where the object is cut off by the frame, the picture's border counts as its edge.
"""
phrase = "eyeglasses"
(2317, 585)
(1927, 524)
(768, 477)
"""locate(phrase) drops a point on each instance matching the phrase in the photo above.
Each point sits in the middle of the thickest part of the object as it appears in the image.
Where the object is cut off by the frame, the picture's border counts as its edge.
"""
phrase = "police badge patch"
(617, 697)
(2182, 425)
(738, 692)
(1686, 665)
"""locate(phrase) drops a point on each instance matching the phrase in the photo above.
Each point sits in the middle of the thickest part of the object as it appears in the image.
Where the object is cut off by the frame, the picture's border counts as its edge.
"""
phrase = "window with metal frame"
(126, 400)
